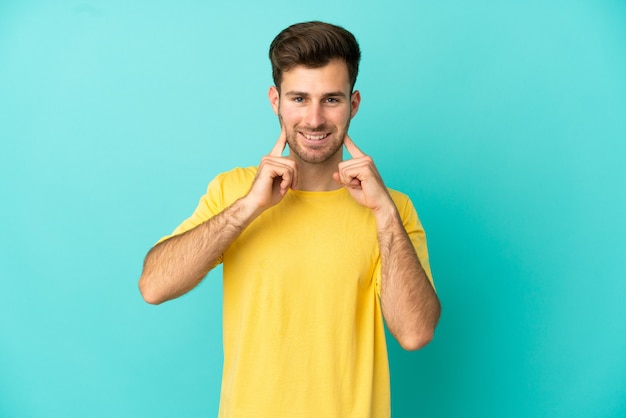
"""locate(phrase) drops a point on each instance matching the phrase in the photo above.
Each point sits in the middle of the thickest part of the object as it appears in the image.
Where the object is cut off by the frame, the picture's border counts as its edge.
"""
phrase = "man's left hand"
(363, 181)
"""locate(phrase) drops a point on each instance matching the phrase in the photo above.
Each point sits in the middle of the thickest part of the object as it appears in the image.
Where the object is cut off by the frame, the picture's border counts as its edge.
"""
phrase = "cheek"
(290, 120)
(288, 115)
(343, 119)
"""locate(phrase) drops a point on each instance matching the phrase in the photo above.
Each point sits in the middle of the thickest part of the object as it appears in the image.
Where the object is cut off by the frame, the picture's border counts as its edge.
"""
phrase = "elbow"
(422, 332)
(416, 340)
(149, 293)
(151, 299)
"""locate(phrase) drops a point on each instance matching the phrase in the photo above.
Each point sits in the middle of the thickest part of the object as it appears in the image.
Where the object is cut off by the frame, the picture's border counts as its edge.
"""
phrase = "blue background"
(504, 121)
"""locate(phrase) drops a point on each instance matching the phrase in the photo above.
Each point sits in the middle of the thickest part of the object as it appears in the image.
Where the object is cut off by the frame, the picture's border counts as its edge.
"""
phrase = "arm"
(175, 266)
(409, 303)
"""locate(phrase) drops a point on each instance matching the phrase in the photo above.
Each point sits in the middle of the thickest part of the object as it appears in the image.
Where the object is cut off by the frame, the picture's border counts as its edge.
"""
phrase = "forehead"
(331, 77)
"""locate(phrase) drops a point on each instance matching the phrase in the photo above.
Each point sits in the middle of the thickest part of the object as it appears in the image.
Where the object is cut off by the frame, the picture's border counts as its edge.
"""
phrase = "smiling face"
(315, 107)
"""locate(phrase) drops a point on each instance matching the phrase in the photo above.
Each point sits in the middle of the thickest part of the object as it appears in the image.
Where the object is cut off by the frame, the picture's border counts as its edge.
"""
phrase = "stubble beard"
(313, 155)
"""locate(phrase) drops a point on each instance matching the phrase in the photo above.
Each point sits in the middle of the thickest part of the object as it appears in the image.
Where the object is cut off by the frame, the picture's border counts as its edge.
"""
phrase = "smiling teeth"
(315, 137)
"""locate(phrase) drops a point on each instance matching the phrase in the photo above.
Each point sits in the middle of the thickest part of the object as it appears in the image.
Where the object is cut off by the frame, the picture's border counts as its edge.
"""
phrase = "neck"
(318, 177)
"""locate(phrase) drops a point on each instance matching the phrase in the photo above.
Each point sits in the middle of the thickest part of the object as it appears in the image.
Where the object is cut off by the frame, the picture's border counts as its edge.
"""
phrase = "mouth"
(315, 137)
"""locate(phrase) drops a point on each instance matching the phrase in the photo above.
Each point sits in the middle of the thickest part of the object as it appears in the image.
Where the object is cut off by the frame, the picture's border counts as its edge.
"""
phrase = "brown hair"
(313, 45)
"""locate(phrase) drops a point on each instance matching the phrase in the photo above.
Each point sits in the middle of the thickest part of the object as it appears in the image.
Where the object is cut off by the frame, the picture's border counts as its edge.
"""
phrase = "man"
(316, 251)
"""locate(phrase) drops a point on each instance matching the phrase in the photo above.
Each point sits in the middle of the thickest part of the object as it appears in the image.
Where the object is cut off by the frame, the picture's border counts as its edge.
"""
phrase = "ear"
(355, 101)
(274, 97)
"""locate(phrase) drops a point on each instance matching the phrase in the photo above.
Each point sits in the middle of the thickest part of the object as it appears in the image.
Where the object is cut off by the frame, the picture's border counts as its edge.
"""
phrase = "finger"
(289, 178)
(351, 182)
(280, 145)
(347, 175)
(283, 170)
(351, 147)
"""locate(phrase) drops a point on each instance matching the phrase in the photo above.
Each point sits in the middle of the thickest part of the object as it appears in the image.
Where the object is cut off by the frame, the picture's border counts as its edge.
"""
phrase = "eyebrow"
(325, 95)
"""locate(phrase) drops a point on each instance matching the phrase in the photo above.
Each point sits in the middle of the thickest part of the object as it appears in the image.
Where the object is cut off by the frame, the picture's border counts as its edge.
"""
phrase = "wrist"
(249, 207)
(386, 215)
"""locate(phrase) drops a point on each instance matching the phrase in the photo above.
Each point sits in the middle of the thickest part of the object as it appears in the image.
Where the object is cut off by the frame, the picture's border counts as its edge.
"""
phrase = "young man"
(316, 251)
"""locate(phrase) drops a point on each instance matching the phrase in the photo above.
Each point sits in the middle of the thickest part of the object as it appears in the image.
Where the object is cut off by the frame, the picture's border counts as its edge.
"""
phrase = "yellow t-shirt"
(303, 327)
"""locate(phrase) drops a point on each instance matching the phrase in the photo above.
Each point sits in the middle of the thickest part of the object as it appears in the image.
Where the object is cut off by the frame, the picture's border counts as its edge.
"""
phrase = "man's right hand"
(275, 175)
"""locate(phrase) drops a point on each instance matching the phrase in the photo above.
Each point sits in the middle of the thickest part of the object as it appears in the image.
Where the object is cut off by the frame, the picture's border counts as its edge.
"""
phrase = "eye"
(332, 100)
(298, 99)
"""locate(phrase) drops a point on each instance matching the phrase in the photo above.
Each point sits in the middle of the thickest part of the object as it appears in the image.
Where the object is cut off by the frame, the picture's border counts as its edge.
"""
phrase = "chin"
(315, 157)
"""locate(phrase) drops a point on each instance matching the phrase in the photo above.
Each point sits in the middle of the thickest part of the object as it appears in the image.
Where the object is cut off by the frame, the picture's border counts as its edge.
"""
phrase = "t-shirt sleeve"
(221, 192)
(416, 233)
(208, 206)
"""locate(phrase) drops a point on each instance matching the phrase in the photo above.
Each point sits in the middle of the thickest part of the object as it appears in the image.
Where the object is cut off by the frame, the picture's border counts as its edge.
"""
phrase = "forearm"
(175, 266)
(409, 303)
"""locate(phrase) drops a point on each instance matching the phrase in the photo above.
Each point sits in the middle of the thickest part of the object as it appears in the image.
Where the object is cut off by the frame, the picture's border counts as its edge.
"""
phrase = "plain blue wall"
(505, 122)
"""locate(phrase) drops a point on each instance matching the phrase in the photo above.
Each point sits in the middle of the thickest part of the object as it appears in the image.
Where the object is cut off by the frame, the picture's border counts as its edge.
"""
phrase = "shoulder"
(229, 186)
(238, 175)
(234, 179)
(406, 209)
(401, 200)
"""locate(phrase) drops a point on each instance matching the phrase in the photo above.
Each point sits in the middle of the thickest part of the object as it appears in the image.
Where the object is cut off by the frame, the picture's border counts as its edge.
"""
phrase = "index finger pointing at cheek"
(352, 148)
(278, 149)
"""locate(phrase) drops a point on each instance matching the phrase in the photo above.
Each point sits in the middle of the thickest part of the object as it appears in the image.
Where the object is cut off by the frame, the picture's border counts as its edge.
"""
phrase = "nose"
(314, 115)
